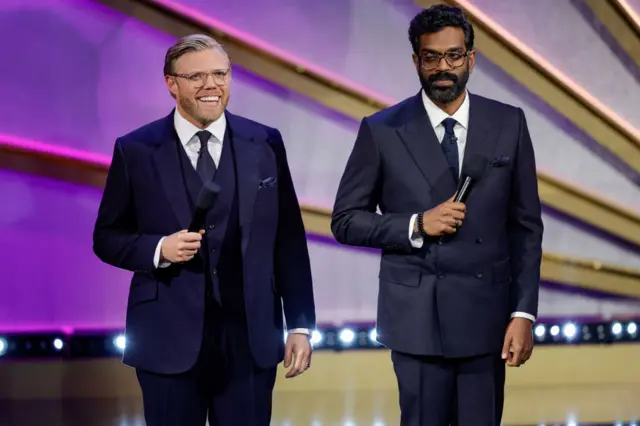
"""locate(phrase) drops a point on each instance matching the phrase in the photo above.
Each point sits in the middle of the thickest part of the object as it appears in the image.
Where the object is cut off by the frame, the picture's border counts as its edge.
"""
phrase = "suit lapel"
(482, 134)
(423, 145)
(167, 165)
(247, 172)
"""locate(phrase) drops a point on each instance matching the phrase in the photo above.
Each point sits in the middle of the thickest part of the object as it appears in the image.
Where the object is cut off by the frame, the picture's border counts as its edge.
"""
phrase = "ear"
(416, 61)
(472, 60)
(171, 85)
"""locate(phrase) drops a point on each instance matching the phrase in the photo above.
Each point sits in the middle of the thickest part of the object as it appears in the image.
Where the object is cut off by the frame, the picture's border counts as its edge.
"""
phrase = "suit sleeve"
(354, 220)
(292, 264)
(525, 226)
(115, 237)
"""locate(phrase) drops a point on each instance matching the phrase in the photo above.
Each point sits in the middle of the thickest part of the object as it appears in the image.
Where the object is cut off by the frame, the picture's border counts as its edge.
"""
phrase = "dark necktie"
(450, 147)
(205, 166)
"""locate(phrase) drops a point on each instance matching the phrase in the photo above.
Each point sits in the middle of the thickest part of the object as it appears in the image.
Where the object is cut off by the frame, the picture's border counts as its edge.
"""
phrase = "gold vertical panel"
(620, 24)
(549, 84)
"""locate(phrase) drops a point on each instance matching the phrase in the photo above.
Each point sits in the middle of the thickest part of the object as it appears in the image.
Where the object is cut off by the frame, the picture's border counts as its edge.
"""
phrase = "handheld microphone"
(472, 172)
(207, 197)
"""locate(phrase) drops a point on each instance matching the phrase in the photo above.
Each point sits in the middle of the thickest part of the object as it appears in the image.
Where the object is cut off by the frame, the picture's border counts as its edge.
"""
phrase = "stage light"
(555, 330)
(347, 336)
(373, 335)
(3, 346)
(569, 330)
(120, 342)
(632, 328)
(616, 328)
(540, 331)
(58, 344)
(316, 337)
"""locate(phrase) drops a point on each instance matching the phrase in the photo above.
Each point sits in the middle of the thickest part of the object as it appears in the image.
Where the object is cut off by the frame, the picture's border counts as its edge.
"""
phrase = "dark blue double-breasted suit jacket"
(145, 199)
(454, 296)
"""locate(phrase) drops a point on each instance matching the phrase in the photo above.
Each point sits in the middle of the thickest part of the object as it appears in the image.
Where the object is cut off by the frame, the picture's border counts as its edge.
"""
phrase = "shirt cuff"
(156, 256)
(523, 315)
(300, 331)
(414, 237)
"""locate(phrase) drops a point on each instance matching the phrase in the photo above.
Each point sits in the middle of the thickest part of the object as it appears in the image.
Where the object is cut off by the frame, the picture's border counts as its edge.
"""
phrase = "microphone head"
(475, 167)
(208, 195)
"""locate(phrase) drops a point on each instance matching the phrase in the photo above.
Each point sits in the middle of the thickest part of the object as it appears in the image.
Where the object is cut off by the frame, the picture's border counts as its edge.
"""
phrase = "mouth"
(443, 83)
(209, 100)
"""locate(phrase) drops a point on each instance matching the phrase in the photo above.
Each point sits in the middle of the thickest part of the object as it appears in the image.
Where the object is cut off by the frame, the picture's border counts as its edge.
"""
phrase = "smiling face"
(444, 64)
(199, 82)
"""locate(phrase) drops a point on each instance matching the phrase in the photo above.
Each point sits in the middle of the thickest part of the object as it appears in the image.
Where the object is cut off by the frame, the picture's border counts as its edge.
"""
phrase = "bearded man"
(204, 326)
(459, 277)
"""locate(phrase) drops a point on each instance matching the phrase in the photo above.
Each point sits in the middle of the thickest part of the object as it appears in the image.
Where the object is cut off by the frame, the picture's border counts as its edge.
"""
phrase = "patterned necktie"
(205, 166)
(449, 146)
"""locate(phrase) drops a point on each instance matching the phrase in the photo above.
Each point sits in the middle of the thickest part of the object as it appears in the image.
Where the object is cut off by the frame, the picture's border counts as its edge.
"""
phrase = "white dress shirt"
(191, 143)
(436, 117)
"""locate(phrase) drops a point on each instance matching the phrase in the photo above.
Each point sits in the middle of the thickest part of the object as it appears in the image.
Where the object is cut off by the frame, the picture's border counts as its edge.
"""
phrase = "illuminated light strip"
(560, 92)
(621, 22)
(630, 13)
(90, 169)
(109, 343)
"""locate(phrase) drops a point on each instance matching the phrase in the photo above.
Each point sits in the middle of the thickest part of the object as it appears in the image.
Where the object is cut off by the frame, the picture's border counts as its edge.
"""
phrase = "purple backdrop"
(90, 75)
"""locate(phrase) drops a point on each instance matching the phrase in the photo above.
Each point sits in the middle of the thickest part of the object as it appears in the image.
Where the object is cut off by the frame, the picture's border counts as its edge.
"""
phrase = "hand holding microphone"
(184, 245)
(442, 219)
(445, 218)
(181, 246)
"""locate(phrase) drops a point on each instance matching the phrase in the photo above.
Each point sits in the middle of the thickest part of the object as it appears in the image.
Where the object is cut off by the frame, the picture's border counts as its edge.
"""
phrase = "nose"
(440, 66)
(209, 82)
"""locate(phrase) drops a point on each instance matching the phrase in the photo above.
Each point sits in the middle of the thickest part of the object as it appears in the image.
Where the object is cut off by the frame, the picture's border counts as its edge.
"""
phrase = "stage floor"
(575, 405)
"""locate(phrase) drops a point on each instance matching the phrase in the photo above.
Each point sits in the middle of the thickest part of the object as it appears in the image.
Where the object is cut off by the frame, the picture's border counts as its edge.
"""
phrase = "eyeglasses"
(199, 79)
(431, 61)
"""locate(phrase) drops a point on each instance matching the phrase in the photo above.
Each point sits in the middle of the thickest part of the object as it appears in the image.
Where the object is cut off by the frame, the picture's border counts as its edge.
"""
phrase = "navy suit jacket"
(454, 296)
(145, 199)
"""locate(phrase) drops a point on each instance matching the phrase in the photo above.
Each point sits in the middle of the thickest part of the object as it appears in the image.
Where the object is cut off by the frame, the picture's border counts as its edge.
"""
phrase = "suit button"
(213, 250)
(439, 242)
(479, 240)
(214, 272)
(441, 275)
(212, 226)
(479, 275)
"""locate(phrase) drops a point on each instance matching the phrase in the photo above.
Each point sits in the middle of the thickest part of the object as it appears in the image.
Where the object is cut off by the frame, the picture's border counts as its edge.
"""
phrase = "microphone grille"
(475, 167)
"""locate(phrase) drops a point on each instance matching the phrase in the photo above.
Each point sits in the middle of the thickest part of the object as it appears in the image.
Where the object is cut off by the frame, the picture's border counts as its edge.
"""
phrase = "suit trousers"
(438, 391)
(224, 387)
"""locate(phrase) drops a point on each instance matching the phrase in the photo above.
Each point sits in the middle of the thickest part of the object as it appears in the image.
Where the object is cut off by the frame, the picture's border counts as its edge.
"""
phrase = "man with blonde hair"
(204, 316)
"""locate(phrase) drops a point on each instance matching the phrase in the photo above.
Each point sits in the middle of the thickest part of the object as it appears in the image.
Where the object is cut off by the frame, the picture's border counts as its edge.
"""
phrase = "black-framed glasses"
(199, 79)
(430, 61)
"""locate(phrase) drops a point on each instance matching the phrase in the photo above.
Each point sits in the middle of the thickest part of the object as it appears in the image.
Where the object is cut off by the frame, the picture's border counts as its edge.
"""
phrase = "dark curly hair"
(437, 18)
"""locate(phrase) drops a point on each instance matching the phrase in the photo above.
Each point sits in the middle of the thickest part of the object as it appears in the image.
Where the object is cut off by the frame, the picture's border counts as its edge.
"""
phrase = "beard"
(204, 118)
(444, 94)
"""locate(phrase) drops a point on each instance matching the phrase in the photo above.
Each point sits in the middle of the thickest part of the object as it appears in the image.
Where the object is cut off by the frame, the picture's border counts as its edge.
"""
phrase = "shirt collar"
(186, 130)
(436, 115)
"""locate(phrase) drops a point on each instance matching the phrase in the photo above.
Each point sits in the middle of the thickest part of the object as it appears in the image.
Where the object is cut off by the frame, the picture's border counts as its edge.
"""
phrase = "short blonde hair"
(186, 44)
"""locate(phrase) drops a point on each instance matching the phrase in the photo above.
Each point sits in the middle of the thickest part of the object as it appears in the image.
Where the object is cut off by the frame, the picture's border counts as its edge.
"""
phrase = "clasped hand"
(181, 246)
(444, 218)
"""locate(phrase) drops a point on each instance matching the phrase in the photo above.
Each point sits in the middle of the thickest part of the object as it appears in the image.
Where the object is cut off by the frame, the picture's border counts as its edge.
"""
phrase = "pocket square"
(500, 161)
(267, 182)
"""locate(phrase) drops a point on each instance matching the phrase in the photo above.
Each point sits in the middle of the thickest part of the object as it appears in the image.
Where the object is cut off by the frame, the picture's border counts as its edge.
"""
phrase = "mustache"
(443, 76)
